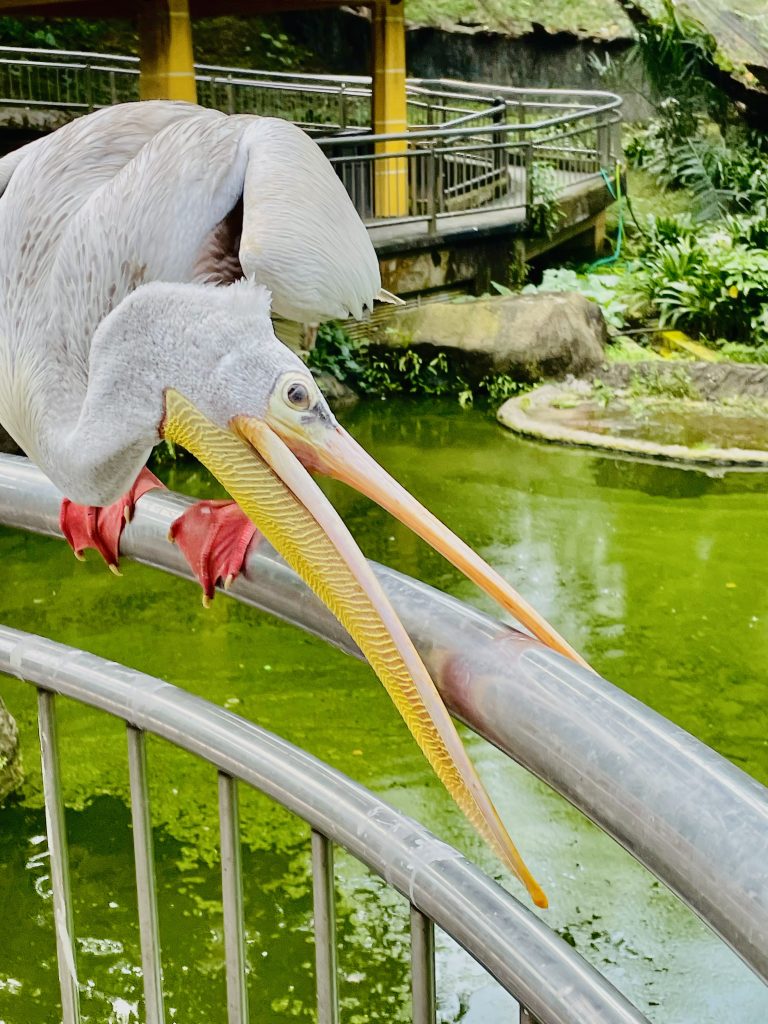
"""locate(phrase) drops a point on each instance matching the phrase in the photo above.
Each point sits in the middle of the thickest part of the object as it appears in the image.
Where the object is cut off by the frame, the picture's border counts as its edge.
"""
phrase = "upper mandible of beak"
(272, 487)
(328, 448)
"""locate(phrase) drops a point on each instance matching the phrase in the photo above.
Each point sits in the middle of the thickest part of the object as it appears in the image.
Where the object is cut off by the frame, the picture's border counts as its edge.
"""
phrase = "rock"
(10, 760)
(336, 392)
(711, 380)
(546, 334)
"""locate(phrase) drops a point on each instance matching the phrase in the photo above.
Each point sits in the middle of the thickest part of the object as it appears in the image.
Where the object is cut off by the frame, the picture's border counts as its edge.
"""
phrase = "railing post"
(232, 899)
(230, 95)
(424, 1004)
(112, 87)
(498, 137)
(342, 106)
(149, 931)
(529, 196)
(603, 144)
(57, 848)
(88, 87)
(325, 929)
(432, 190)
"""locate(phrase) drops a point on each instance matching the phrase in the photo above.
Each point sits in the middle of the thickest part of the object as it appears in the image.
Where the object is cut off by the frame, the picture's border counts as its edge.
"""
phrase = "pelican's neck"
(91, 429)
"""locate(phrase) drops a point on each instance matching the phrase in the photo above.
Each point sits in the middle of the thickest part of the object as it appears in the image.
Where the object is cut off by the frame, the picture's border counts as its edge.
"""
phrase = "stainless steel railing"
(538, 968)
(692, 818)
(469, 147)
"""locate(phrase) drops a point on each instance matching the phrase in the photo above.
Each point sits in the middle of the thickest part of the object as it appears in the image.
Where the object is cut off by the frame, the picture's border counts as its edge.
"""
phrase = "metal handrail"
(415, 186)
(532, 963)
(696, 821)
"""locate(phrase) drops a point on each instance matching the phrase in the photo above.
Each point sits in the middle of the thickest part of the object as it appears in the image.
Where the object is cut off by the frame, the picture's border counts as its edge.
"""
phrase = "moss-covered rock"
(527, 336)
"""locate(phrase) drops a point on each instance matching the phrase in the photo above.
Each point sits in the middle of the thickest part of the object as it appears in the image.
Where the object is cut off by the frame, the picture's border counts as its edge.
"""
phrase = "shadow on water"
(659, 575)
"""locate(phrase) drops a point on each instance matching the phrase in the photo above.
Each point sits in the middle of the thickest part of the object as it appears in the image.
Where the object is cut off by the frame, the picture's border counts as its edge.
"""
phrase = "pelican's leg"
(92, 526)
(214, 537)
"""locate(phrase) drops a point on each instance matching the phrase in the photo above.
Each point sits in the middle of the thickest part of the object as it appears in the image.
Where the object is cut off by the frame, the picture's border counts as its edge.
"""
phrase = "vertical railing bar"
(424, 1007)
(325, 929)
(232, 899)
(149, 931)
(59, 861)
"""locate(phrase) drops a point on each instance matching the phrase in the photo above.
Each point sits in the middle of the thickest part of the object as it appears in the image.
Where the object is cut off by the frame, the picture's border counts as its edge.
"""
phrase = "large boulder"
(546, 334)
(10, 759)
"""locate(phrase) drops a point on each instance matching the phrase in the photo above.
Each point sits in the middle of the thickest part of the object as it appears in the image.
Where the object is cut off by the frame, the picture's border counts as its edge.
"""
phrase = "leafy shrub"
(600, 288)
(709, 286)
(547, 213)
(379, 371)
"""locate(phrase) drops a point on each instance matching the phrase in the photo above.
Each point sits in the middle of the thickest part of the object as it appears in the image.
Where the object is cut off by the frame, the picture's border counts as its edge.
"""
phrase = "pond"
(658, 575)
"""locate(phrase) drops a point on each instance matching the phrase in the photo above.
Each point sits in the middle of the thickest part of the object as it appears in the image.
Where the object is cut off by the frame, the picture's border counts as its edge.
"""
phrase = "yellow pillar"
(389, 112)
(165, 48)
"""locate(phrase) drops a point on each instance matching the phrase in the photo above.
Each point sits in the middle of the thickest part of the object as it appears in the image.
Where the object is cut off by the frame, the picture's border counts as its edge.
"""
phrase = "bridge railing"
(469, 147)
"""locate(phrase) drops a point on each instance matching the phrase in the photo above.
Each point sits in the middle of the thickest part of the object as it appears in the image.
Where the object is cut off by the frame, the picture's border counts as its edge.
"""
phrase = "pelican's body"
(153, 192)
(140, 248)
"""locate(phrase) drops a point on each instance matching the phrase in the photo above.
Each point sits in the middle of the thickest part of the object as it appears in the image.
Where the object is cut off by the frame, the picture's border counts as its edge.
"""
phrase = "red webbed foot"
(214, 537)
(92, 526)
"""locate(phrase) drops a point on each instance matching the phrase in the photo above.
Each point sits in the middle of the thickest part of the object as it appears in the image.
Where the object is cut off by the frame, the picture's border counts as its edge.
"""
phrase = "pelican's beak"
(322, 445)
(272, 487)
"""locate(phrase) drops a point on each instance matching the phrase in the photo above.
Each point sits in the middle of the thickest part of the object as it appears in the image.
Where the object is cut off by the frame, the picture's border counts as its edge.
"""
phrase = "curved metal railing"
(695, 820)
(469, 147)
(546, 976)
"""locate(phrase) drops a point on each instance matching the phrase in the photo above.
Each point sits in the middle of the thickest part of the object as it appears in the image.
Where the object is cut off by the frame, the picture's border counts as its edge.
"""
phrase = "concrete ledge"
(514, 415)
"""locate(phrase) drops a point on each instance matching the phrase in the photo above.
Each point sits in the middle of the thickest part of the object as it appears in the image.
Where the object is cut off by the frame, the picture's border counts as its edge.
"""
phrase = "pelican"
(142, 250)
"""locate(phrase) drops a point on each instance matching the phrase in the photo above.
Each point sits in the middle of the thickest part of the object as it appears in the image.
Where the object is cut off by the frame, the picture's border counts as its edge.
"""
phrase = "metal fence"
(692, 818)
(469, 148)
(548, 978)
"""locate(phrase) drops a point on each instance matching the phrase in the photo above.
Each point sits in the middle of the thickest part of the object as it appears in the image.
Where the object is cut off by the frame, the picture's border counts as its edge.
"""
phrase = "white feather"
(144, 193)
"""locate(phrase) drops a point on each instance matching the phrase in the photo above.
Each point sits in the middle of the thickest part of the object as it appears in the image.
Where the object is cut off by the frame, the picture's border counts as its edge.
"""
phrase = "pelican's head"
(248, 409)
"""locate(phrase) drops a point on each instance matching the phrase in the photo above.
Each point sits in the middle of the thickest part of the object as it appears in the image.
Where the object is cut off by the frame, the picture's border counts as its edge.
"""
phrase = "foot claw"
(89, 526)
(207, 601)
(214, 537)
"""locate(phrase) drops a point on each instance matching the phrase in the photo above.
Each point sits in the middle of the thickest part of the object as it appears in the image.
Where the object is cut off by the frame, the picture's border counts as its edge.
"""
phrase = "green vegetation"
(242, 42)
(600, 19)
(696, 253)
(378, 371)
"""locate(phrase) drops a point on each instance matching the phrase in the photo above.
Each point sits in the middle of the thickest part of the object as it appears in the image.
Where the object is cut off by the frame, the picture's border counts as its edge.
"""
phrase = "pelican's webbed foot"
(94, 526)
(214, 537)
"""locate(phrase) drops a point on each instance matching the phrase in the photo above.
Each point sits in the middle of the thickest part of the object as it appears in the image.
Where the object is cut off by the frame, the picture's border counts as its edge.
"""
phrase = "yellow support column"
(165, 47)
(390, 114)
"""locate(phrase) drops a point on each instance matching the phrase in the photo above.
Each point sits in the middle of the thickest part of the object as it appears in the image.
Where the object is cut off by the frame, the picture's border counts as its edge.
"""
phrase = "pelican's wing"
(302, 236)
(213, 198)
(47, 185)
(49, 254)
(11, 161)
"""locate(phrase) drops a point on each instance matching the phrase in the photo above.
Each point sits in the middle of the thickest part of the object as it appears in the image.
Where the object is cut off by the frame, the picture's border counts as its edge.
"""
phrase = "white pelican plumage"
(140, 248)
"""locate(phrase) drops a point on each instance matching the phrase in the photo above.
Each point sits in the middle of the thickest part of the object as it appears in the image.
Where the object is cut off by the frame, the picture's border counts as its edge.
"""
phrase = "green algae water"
(658, 575)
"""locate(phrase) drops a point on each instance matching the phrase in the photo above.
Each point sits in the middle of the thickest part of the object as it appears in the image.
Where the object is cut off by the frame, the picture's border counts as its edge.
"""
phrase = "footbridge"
(480, 175)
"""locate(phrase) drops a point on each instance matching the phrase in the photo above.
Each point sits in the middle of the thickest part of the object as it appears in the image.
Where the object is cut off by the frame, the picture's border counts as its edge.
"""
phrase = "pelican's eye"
(296, 394)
